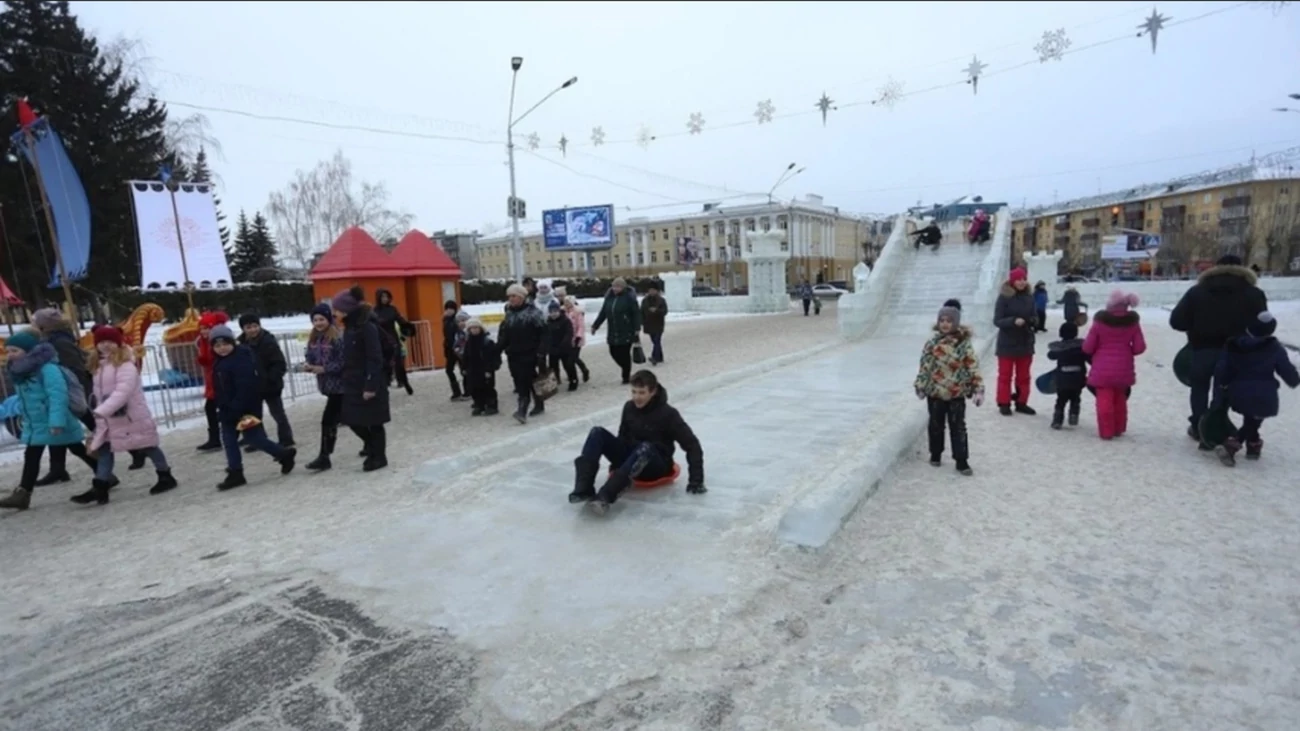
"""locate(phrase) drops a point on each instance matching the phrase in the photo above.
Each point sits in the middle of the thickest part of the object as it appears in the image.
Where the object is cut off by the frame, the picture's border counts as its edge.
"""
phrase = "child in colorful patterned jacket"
(949, 374)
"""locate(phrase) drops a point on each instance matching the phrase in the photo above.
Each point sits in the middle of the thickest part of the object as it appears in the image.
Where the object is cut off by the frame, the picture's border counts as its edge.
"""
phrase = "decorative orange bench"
(667, 479)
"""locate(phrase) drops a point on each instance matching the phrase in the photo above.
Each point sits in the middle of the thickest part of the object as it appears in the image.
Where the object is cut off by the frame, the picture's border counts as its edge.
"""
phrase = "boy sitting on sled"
(642, 450)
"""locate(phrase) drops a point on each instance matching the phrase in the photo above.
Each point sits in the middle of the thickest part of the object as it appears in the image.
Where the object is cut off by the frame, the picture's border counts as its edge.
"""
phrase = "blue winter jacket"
(1247, 375)
(238, 386)
(1040, 299)
(42, 391)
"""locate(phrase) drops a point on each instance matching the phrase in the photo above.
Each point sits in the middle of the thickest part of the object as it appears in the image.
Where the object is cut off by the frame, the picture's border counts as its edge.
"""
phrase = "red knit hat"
(108, 334)
(209, 320)
(1018, 275)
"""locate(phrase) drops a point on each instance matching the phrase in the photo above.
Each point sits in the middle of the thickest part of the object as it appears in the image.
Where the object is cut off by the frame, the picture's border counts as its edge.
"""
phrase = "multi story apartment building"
(1251, 210)
(462, 249)
(824, 243)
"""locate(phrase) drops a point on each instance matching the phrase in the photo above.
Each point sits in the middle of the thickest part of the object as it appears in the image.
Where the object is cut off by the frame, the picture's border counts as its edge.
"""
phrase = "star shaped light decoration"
(765, 111)
(696, 123)
(973, 72)
(1053, 45)
(597, 136)
(1152, 27)
(644, 137)
(890, 94)
(534, 141)
(825, 104)
(564, 146)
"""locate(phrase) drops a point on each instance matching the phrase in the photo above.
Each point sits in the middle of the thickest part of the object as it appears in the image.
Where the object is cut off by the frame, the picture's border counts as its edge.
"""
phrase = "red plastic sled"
(667, 479)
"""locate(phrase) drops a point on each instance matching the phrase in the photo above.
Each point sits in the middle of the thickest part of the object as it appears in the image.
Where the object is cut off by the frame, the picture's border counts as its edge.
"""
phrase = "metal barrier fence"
(173, 379)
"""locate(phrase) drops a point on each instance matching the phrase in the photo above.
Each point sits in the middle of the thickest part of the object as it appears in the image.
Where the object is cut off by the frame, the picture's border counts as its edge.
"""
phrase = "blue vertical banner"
(64, 192)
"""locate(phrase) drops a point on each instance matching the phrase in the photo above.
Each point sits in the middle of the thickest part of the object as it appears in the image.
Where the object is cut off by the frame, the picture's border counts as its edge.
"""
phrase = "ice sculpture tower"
(766, 261)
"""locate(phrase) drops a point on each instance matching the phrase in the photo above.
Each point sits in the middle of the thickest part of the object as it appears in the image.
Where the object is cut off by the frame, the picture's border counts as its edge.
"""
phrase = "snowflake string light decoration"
(564, 146)
(825, 104)
(1152, 27)
(597, 136)
(696, 123)
(973, 72)
(765, 111)
(890, 94)
(534, 141)
(1053, 45)
(644, 137)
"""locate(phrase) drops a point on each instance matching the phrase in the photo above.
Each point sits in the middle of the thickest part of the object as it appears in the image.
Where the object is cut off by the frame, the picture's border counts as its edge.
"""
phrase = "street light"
(785, 178)
(516, 250)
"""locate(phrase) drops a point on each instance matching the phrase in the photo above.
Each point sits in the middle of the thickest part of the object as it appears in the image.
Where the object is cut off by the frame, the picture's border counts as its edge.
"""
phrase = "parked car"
(827, 290)
(706, 291)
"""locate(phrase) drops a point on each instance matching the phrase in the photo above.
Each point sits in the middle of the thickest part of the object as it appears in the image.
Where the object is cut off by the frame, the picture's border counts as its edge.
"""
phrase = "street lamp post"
(516, 248)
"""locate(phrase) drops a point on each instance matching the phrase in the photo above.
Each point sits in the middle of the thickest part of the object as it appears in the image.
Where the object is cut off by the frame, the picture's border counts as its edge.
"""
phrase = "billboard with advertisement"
(688, 251)
(1130, 246)
(587, 228)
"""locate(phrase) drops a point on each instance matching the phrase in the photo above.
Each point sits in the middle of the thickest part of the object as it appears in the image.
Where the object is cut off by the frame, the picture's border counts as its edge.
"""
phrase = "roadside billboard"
(1130, 246)
(578, 229)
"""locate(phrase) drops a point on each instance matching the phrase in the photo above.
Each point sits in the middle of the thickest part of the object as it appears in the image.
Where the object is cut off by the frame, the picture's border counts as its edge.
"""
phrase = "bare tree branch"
(316, 207)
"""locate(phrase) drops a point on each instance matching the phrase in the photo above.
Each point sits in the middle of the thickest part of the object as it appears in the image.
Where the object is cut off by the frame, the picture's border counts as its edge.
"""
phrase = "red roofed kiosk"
(431, 278)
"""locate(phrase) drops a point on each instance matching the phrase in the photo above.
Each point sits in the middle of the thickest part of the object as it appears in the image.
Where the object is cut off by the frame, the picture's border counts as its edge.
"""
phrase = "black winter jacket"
(1015, 341)
(71, 356)
(480, 357)
(1247, 375)
(363, 371)
(1218, 307)
(559, 333)
(662, 426)
(522, 334)
(1072, 304)
(271, 364)
(449, 330)
(238, 385)
(1071, 364)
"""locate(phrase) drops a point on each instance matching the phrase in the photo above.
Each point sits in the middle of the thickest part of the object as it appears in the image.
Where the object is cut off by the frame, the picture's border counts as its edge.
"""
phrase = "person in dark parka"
(482, 360)
(1246, 378)
(559, 345)
(56, 330)
(272, 367)
(624, 316)
(1071, 373)
(522, 338)
(239, 394)
(365, 393)
(1220, 306)
(450, 330)
(1015, 316)
(396, 329)
(1073, 306)
(654, 314)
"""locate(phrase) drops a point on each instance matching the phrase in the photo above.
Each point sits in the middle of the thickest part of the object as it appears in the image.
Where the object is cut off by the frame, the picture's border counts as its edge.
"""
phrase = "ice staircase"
(925, 278)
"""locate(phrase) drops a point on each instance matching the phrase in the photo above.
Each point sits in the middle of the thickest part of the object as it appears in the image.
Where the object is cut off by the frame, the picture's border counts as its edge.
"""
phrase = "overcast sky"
(1106, 117)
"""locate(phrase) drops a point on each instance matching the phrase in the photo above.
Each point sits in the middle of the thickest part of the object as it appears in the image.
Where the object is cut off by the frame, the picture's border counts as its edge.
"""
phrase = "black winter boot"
(19, 499)
(213, 444)
(963, 468)
(521, 414)
(584, 480)
(586, 374)
(378, 448)
(98, 493)
(573, 385)
(234, 478)
(1058, 418)
(92, 495)
(1253, 448)
(1227, 452)
(608, 495)
(1074, 416)
(54, 478)
(165, 482)
(1024, 409)
(1005, 410)
(286, 460)
(539, 408)
(137, 460)
(322, 461)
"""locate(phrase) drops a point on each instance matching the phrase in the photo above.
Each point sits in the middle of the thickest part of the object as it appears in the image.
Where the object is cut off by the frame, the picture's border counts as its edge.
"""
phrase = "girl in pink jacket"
(122, 419)
(1114, 341)
(573, 310)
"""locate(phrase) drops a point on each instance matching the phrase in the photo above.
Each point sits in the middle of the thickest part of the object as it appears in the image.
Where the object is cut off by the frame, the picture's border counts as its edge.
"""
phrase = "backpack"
(76, 393)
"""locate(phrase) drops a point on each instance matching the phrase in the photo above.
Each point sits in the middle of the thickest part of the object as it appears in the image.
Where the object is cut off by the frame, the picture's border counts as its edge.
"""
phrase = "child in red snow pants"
(1112, 412)
(1017, 369)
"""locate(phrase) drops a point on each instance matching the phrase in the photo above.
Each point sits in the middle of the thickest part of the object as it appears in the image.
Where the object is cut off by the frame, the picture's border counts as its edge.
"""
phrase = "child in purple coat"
(1246, 378)
(1114, 341)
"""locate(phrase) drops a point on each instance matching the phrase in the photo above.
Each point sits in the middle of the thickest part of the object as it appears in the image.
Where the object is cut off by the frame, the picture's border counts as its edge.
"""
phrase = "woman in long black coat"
(365, 391)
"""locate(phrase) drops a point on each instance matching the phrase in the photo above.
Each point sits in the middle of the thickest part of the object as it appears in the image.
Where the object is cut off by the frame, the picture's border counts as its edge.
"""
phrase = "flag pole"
(69, 306)
(171, 186)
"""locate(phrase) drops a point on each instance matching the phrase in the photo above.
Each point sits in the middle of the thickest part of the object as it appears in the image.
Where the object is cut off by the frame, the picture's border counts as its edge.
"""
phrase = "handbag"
(545, 386)
(638, 353)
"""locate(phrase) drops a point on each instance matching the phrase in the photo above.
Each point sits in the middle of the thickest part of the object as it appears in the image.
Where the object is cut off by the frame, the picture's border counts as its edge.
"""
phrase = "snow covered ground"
(1070, 584)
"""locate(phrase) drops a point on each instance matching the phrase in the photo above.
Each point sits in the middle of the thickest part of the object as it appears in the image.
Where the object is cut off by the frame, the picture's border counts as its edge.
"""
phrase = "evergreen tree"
(238, 268)
(201, 173)
(253, 249)
(111, 132)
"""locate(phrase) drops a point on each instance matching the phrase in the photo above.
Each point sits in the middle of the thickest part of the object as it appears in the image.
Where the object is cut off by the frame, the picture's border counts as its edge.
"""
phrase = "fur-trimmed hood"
(961, 332)
(361, 315)
(1009, 291)
(1226, 273)
(1117, 319)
